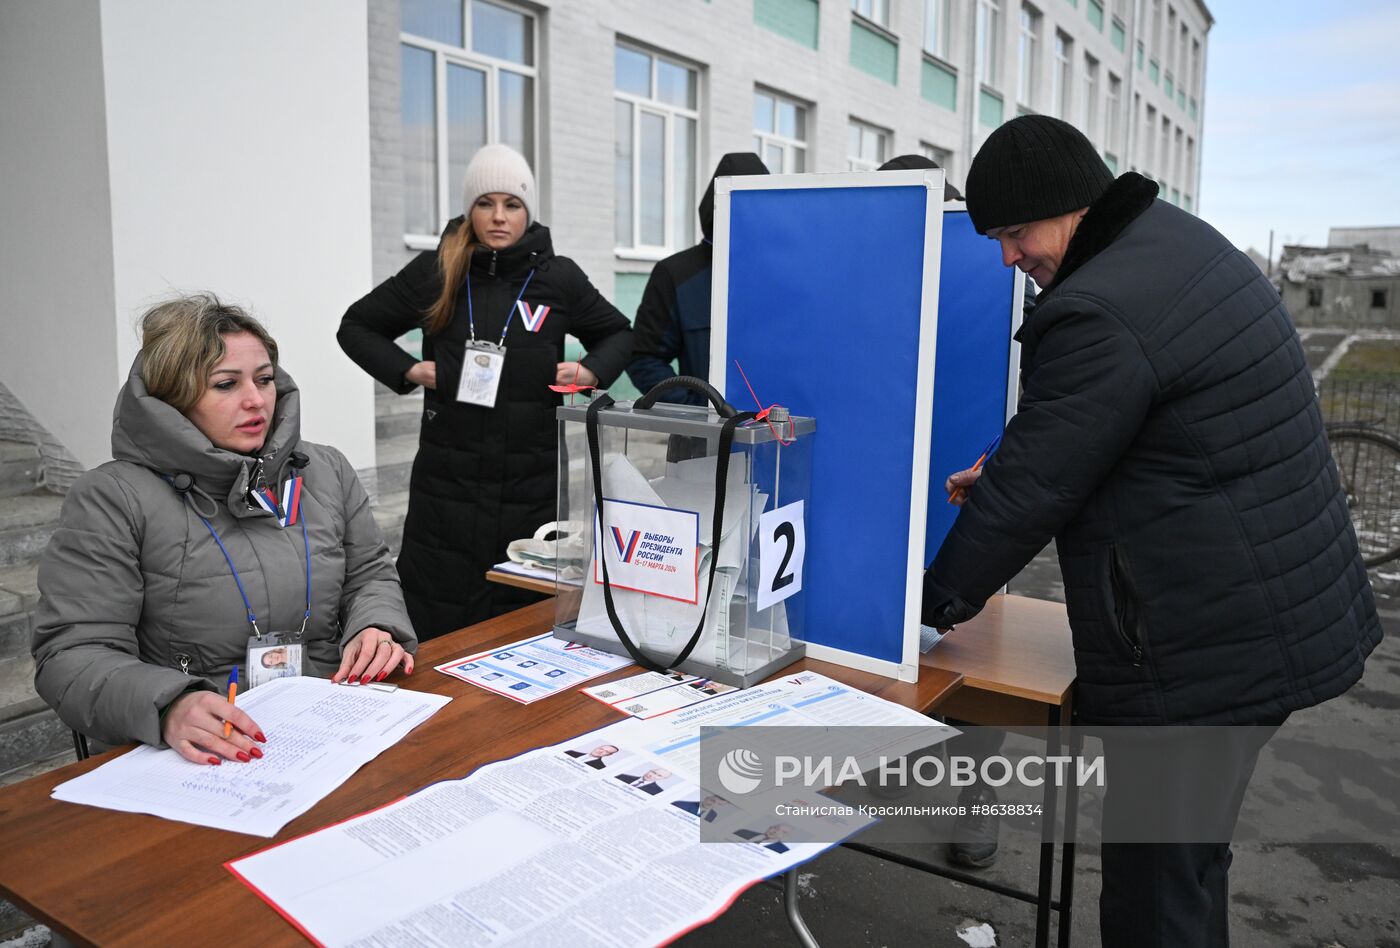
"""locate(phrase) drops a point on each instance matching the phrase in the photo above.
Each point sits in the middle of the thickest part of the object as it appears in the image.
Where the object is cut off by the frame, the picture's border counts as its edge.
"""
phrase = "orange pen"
(232, 693)
(960, 493)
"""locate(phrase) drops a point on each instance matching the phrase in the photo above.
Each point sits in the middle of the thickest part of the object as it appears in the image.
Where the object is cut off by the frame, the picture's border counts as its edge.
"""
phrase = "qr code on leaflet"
(634, 708)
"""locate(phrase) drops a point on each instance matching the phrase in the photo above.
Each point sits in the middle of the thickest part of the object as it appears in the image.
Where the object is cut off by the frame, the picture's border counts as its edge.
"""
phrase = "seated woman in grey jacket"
(215, 537)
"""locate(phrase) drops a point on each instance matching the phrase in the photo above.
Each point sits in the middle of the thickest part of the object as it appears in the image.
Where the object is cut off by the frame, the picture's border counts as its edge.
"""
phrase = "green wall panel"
(990, 109)
(795, 19)
(874, 53)
(939, 85)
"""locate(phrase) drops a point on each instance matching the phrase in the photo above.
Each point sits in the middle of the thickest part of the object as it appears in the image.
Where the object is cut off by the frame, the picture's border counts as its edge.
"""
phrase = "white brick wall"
(577, 39)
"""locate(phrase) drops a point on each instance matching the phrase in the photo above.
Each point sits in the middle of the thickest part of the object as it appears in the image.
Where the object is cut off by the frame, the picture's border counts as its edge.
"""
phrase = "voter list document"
(318, 735)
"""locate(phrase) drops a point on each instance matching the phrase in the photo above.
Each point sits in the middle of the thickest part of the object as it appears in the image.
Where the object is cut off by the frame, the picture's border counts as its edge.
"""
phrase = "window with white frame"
(780, 132)
(988, 38)
(876, 11)
(1195, 67)
(1149, 145)
(1112, 114)
(938, 26)
(1090, 107)
(1060, 76)
(867, 147)
(942, 157)
(468, 78)
(1134, 145)
(1183, 175)
(1181, 48)
(656, 151)
(1169, 52)
(1165, 150)
(1027, 54)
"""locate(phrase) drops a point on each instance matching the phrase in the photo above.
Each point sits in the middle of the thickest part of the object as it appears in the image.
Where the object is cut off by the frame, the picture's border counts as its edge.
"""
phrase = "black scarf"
(1115, 209)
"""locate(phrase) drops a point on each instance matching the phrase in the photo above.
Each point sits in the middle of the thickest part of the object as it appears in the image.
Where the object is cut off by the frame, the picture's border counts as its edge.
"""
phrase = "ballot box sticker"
(782, 539)
(649, 549)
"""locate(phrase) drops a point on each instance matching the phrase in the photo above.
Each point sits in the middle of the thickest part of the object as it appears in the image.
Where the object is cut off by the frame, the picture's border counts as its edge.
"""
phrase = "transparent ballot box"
(696, 562)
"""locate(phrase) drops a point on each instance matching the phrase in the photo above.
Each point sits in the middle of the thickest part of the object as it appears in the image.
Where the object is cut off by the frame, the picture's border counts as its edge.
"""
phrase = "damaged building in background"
(1351, 286)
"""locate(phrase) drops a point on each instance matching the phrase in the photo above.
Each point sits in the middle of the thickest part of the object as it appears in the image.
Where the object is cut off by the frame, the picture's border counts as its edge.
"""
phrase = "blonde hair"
(454, 257)
(182, 340)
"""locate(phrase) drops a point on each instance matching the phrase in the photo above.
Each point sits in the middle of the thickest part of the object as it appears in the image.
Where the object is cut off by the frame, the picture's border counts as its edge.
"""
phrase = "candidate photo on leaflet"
(140, 617)
(595, 757)
(484, 474)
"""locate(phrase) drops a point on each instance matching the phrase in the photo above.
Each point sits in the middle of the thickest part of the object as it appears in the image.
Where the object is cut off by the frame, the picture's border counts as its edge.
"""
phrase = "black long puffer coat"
(1169, 439)
(483, 476)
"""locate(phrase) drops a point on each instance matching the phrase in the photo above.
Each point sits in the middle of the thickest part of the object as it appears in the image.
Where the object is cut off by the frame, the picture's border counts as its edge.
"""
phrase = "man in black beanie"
(1168, 439)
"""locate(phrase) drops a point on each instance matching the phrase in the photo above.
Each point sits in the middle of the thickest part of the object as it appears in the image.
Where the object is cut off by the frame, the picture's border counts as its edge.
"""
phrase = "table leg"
(1047, 839)
(1076, 747)
(794, 911)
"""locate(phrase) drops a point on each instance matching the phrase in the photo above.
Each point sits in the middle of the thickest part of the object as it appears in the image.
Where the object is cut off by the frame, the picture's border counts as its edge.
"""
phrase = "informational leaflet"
(532, 669)
(318, 735)
(653, 693)
(592, 842)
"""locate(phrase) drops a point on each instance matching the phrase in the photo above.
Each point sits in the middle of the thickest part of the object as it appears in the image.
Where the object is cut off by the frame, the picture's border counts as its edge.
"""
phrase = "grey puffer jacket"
(137, 603)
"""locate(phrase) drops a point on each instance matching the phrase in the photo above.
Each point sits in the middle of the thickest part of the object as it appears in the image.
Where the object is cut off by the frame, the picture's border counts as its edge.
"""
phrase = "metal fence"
(1370, 403)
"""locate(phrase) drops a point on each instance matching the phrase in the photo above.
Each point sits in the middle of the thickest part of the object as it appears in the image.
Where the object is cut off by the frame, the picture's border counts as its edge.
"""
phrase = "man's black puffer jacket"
(1169, 439)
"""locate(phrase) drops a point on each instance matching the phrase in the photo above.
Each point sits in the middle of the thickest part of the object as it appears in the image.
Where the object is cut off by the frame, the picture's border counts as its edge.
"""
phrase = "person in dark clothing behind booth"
(911, 162)
(673, 319)
(494, 303)
(1169, 440)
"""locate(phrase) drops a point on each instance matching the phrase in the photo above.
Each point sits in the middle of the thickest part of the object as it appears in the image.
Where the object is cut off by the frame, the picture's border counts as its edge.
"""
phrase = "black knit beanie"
(1031, 168)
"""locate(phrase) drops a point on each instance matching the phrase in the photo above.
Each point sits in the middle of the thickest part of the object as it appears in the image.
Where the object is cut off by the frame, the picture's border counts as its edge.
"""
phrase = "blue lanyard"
(253, 619)
(471, 319)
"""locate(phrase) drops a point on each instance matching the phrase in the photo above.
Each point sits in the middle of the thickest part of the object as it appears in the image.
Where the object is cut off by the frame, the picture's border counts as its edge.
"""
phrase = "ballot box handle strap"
(723, 408)
(726, 442)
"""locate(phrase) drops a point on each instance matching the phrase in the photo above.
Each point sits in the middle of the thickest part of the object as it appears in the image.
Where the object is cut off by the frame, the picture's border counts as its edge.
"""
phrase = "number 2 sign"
(782, 546)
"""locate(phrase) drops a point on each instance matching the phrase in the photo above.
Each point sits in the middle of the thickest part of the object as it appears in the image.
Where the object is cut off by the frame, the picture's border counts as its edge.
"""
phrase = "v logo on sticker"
(534, 319)
(626, 548)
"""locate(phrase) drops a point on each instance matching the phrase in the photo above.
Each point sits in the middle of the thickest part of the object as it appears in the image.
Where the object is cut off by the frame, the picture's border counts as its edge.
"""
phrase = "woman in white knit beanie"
(495, 304)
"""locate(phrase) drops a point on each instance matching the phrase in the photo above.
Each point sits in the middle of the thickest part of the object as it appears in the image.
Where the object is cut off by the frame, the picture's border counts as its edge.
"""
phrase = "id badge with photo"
(272, 656)
(482, 365)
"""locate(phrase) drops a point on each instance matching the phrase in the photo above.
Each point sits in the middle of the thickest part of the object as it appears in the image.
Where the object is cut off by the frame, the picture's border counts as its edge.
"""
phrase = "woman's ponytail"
(454, 256)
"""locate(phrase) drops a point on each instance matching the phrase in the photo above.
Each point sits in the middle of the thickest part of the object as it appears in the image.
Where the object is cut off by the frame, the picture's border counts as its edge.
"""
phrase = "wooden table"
(1017, 663)
(110, 878)
(537, 584)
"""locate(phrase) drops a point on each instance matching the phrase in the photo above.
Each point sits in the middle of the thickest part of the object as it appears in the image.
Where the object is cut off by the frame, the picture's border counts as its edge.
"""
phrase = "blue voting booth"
(854, 299)
(974, 386)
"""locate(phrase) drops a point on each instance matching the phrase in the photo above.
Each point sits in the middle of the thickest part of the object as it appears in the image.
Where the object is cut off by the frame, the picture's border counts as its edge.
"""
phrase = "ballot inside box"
(693, 533)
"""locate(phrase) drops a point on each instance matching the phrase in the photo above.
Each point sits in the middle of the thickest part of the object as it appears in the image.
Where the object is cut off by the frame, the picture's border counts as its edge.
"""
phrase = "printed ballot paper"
(318, 735)
(532, 669)
(592, 842)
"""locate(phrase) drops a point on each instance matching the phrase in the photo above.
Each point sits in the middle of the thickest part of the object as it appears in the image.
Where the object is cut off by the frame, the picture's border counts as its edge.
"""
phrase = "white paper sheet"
(592, 842)
(318, 735)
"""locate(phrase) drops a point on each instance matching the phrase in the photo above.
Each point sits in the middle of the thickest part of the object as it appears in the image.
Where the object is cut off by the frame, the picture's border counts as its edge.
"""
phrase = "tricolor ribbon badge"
(626, 548)
(267, 500)
(291, 501)
(534, 319)
(290, 508)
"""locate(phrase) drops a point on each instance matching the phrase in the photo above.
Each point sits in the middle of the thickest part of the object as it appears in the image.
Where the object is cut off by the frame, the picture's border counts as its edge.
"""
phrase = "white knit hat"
(498, 169)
